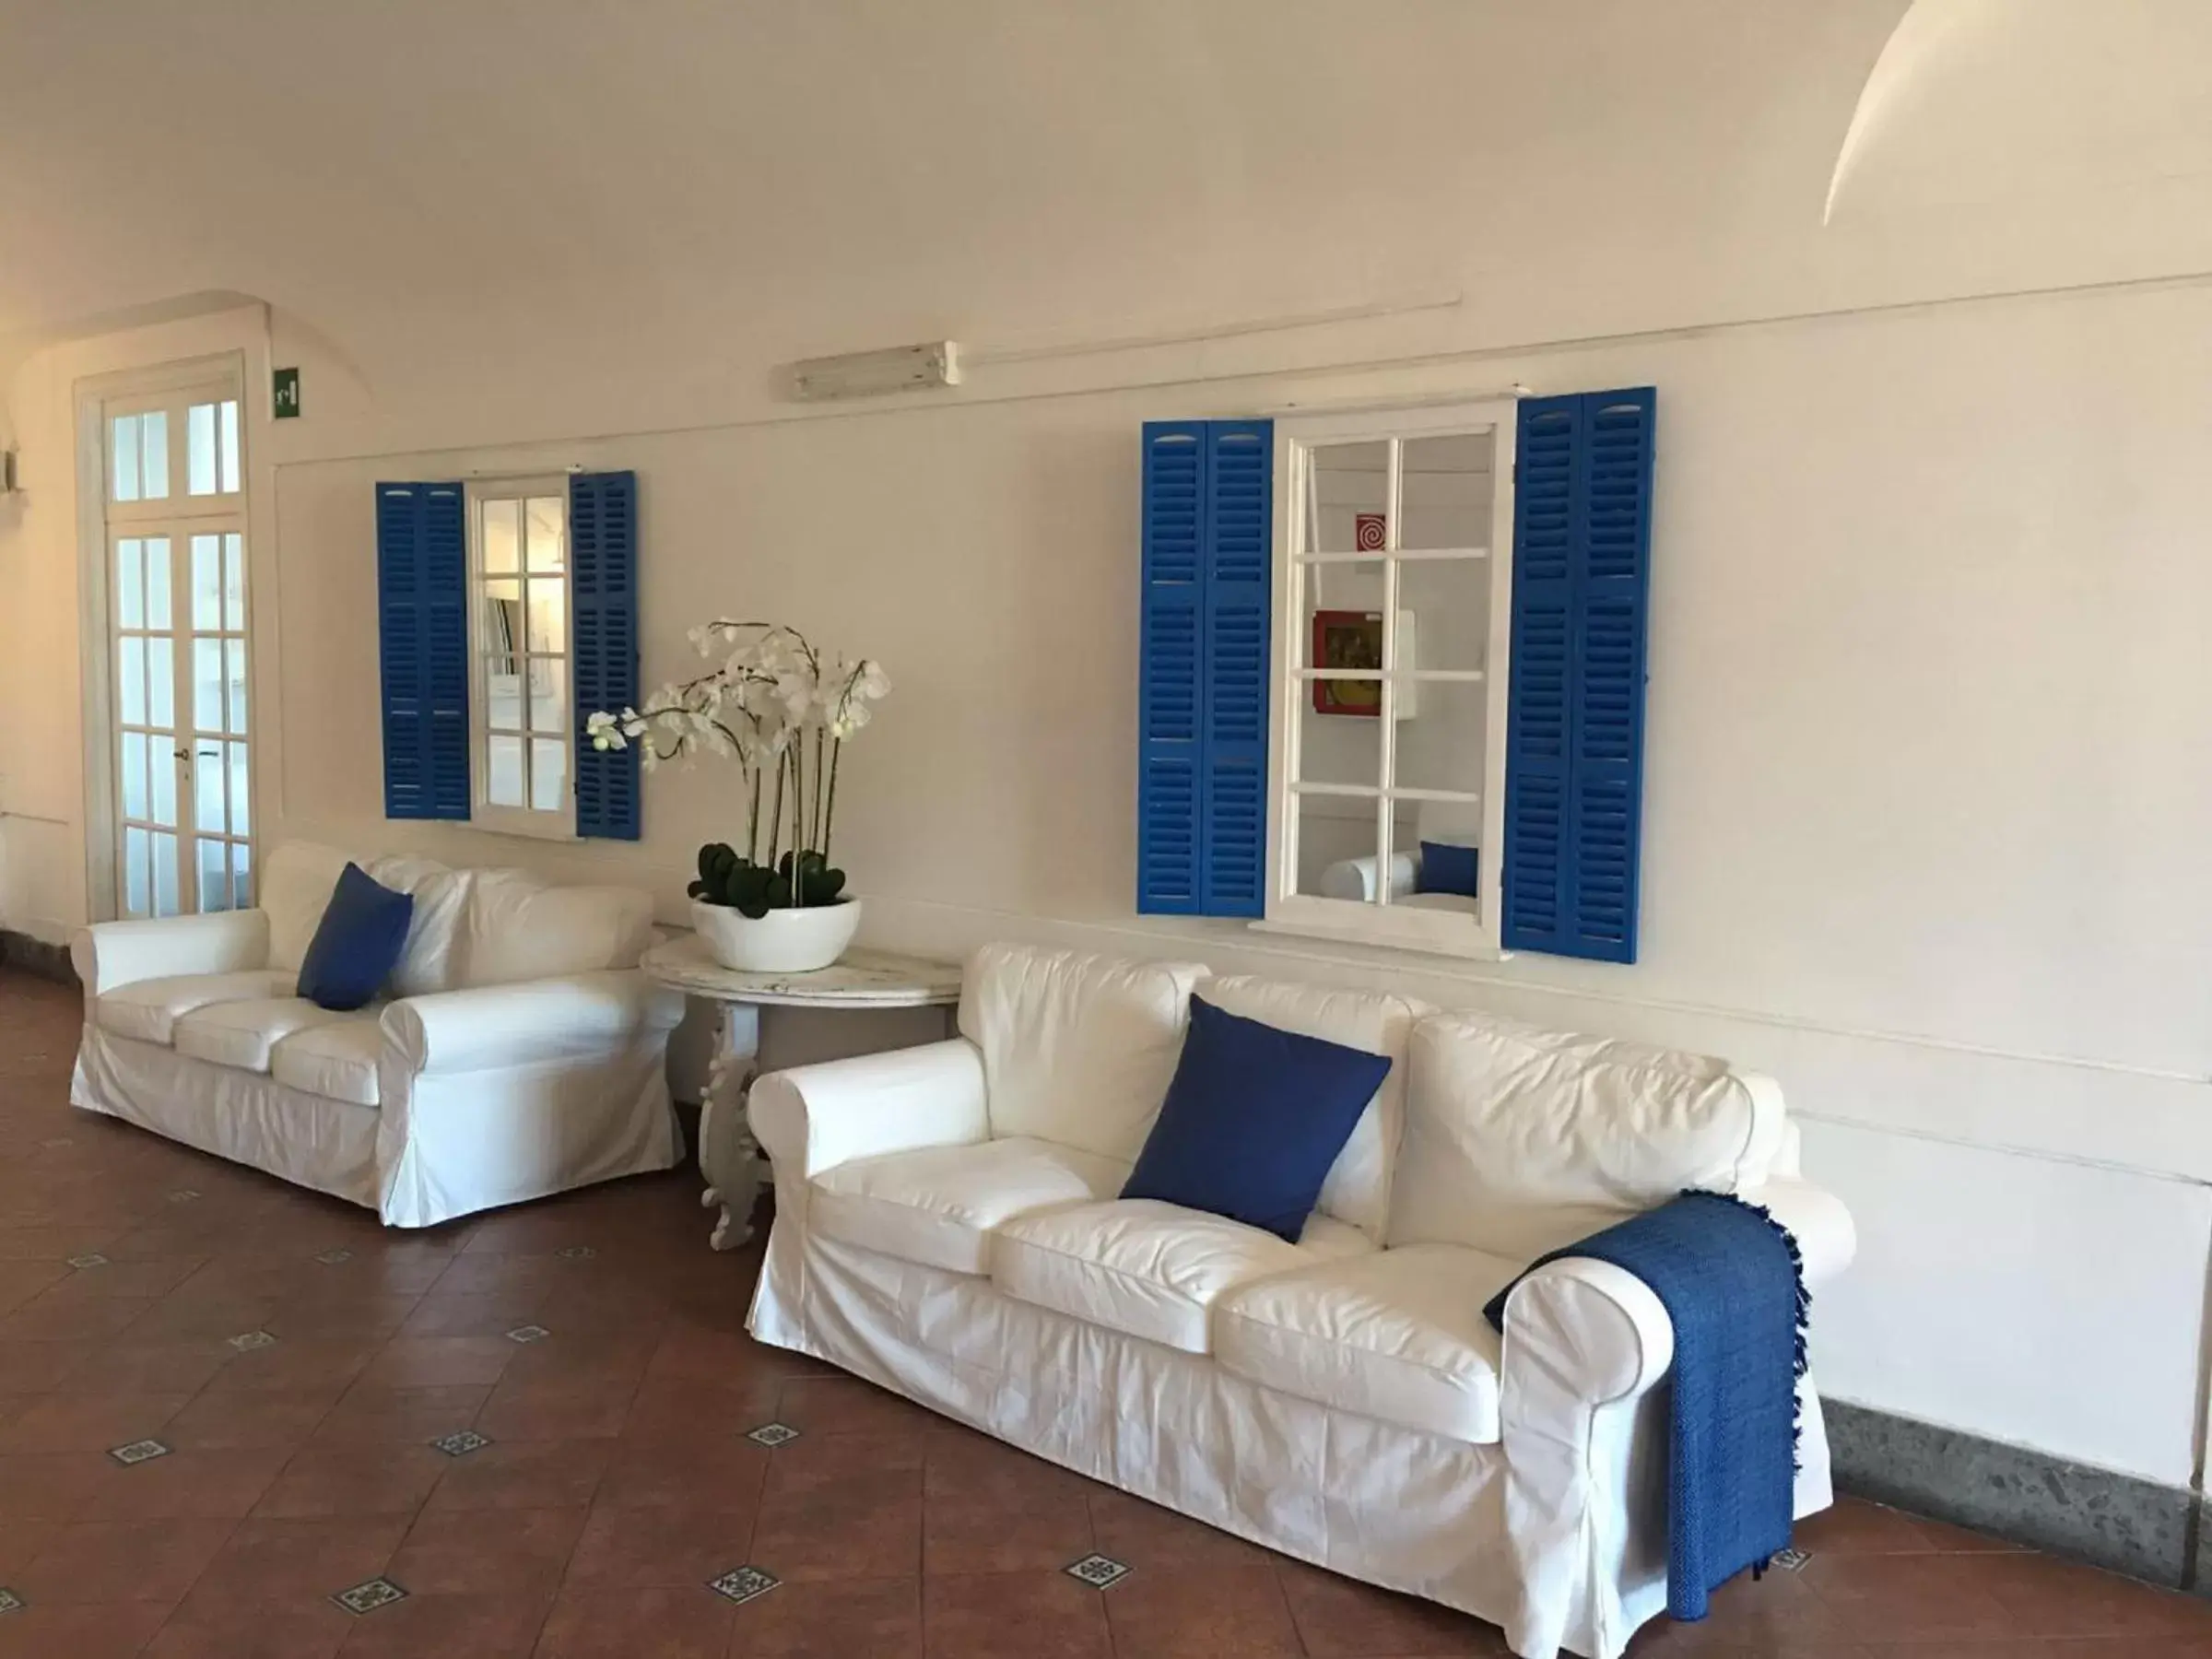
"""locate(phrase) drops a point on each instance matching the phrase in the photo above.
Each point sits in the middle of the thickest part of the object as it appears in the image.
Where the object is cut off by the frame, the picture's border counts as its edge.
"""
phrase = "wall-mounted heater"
(873, 373)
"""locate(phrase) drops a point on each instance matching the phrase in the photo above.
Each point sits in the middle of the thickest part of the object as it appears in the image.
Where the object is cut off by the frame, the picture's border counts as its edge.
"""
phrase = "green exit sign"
(284, 395)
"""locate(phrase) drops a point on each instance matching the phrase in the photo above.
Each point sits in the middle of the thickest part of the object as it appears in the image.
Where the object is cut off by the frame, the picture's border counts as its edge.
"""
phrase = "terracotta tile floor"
(614, 1479)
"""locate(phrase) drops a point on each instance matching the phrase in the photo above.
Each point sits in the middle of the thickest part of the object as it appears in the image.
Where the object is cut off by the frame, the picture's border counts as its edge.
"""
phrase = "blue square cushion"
(1446, 868)
(357, 944)
(1253, 1120)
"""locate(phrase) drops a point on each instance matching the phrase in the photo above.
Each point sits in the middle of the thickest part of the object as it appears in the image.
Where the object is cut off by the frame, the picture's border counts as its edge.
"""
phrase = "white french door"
(178, 651)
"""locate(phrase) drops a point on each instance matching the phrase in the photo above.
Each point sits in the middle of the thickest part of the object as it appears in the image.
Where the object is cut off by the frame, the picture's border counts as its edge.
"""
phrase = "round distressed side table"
(728, 1156)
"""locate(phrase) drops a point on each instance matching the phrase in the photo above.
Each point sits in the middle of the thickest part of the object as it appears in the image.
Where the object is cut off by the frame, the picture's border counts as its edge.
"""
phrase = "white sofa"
(946, 1226)
(523, 1053)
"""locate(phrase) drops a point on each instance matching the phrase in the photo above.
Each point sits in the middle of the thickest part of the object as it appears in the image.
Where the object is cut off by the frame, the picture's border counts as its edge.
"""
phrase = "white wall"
(1926, 799)
(1926, 659)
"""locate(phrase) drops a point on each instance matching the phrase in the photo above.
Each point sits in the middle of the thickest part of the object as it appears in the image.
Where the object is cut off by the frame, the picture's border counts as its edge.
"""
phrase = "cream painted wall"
(1929, 699)
(1926, 653)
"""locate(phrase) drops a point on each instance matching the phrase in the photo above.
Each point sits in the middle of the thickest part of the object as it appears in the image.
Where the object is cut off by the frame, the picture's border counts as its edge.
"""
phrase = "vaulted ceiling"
(699, 190)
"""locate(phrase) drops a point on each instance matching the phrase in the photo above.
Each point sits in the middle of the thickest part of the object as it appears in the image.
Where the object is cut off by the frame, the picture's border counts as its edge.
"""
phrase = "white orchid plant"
(784, 712)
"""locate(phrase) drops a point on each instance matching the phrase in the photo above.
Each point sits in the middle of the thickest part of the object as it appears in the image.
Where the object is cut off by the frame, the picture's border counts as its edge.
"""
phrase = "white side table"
(728, 1156)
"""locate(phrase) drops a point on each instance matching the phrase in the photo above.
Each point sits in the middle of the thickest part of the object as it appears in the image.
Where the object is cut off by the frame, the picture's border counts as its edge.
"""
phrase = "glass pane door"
(149, 750)
(220, 774)
(177, 645)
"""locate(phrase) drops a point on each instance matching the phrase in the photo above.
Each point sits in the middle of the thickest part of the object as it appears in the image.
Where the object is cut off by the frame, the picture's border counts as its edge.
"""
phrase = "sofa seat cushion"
(1150, 1268)
(244, 1034)
(336, 1061)
(148, 1010)
(939, 1205)
(1398, 1334)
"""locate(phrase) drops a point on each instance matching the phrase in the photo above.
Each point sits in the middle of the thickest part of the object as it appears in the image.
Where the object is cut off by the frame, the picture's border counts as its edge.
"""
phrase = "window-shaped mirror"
(1391, 613)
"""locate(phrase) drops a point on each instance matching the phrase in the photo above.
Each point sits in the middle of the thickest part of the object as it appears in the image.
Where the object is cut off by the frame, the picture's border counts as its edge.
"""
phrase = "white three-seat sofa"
(948, 1224)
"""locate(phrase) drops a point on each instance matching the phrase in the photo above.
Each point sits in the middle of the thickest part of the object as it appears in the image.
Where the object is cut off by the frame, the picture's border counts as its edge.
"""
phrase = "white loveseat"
(947, 1225)
(522, 1054)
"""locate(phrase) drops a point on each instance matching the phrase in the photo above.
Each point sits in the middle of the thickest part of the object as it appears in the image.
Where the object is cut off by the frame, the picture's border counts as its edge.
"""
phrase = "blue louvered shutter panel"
(422, 636)
(603, 575)
(1239, 522)
(1169, 675)
(1575, 749)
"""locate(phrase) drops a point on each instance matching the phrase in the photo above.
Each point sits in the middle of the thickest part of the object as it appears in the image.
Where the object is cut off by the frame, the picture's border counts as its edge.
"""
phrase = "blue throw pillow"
(357, 944)
(1448, 869)
(1253, 1120)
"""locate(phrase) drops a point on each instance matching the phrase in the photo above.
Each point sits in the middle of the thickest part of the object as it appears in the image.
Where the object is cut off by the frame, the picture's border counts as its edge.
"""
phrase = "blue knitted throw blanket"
(1731, 1280)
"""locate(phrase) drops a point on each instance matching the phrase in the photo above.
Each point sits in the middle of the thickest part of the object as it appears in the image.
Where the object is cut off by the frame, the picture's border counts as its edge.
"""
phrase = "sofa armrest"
(109, 954)
(1582, 1329)
(1827, 1239)
(582, 1016)
(812, 1118)
(1598, 1331)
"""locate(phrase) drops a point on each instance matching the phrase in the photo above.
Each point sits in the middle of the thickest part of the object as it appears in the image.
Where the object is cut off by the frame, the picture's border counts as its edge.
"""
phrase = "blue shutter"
(1239, 531)
(422, 631)
(1169, 674)
(1574, 749)
(1202, 697)
(603, 575)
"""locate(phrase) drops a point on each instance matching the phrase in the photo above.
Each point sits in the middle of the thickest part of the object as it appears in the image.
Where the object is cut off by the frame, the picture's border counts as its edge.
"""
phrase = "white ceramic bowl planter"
(794, 939)
(782, 712)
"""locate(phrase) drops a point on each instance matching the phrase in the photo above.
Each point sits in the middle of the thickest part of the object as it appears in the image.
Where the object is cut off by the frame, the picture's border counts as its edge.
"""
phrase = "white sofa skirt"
(1568, 1552)
(438, 1147)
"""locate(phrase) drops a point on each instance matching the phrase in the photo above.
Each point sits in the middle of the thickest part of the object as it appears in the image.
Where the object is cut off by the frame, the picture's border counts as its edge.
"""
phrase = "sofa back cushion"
(517, 928)
(1077, 1049)
(1358, 1189)
(294, 889)
(1520, 1140)
(430, 961)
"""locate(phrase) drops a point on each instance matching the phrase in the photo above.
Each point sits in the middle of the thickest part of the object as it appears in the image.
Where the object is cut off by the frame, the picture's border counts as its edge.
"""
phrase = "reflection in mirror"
(1449, 600)
(549, 616)
(547, 521)
(1440, 746)
(503, 615)
(1337, 845)
(1445, 492)
(1342, 610)
(504, 787)
(548, 773)
(1339, 748)
(1438, 841)
(503, 538)
(1348, 497)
